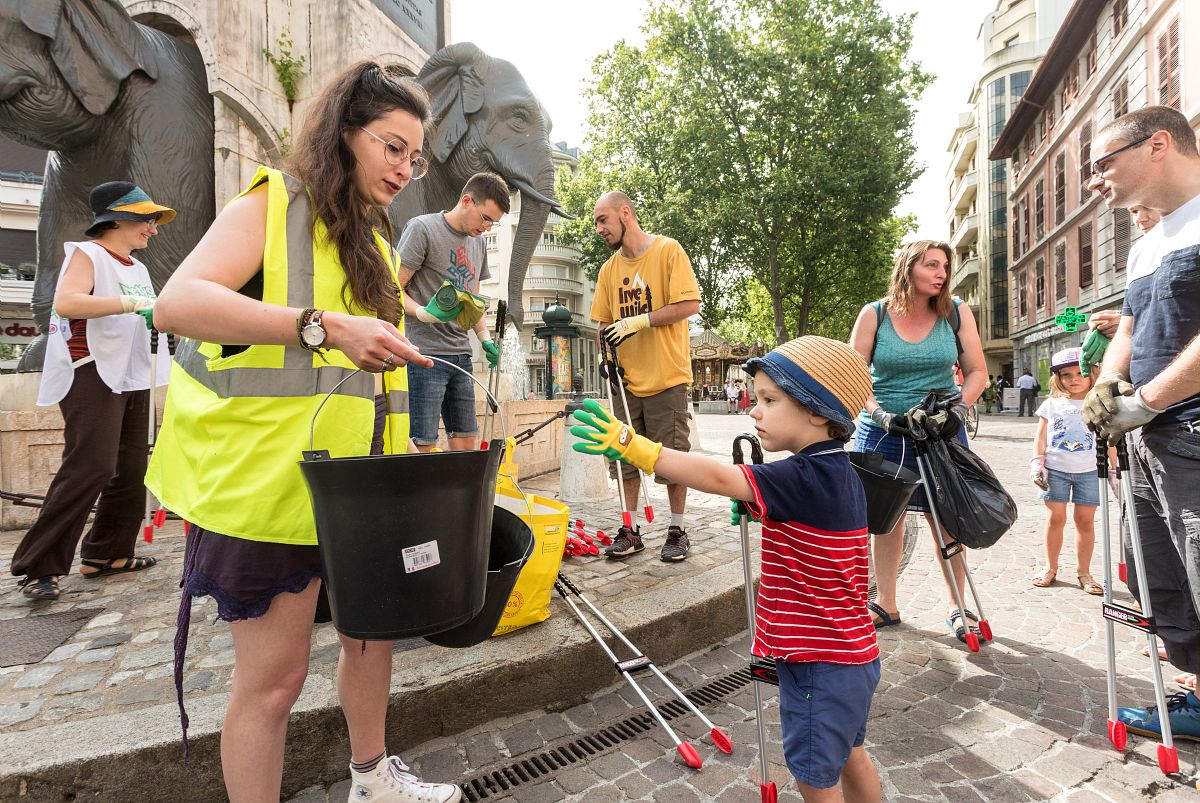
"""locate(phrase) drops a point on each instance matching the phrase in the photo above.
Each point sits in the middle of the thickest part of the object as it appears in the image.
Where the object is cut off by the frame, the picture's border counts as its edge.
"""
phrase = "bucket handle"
(491, 400)
(492, 404)
(903, 447)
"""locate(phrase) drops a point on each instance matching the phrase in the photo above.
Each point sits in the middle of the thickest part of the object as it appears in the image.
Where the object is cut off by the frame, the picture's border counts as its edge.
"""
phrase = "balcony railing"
(964, 191)
(560, 251)
(966, 277)
(966, 232)
(554, 283)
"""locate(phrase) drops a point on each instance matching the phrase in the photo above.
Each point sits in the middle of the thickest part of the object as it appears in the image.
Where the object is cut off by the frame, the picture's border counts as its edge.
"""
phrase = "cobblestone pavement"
(1024, 719)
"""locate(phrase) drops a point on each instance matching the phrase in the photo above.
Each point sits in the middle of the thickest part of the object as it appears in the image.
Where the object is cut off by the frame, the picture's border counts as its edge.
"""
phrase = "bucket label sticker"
(421, 556)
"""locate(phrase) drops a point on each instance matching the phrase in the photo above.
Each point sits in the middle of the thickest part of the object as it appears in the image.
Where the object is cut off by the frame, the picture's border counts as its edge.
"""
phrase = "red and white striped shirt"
(812, 596)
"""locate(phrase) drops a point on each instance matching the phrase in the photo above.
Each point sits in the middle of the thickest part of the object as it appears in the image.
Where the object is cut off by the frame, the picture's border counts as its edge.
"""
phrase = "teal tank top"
(903, 373)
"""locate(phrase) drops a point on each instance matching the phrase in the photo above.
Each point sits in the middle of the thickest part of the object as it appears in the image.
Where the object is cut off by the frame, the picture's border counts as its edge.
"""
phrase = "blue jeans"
(1082, 488)
(441, 393)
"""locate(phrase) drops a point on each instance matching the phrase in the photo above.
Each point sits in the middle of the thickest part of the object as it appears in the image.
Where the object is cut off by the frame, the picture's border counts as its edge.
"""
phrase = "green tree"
(773, 139)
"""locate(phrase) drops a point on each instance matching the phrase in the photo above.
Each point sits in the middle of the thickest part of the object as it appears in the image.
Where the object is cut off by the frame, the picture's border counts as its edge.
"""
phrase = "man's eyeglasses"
(1099, 166)
(396, 152)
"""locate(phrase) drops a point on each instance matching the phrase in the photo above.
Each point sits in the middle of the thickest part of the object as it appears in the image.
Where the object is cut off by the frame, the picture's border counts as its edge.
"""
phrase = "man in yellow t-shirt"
(645, 293)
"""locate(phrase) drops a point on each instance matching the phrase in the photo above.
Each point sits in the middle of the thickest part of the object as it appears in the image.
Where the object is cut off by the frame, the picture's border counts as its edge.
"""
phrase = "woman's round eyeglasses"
(396, 152)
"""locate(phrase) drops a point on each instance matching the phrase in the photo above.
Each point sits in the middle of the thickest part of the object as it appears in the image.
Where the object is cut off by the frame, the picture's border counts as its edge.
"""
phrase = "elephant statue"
(111, 99)
(485, 118)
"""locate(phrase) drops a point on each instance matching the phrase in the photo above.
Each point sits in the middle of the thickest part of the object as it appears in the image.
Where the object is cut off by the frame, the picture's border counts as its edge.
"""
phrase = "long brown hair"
(323, 161)
(901, 296)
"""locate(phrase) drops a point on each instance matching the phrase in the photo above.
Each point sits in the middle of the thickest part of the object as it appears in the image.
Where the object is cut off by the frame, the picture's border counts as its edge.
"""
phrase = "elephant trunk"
(534, 214)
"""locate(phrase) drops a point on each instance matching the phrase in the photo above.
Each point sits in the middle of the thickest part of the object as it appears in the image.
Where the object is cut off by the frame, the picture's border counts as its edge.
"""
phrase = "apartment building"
(1067, 249)
(1013, 37)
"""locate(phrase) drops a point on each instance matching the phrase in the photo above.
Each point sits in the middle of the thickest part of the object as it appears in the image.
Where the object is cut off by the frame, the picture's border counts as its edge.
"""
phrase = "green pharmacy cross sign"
(1069, 319)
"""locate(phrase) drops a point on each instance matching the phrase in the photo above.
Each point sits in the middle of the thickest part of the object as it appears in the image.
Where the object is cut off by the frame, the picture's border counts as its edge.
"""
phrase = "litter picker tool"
(154, 516)
(608, 373)
(493, 386)
(760, 671)
(1168, 757)
(617, 377)
(947, 548)
(640, 662)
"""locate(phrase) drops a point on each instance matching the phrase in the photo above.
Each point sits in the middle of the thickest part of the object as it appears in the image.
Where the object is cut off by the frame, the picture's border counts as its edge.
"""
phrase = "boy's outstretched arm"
(603, 435)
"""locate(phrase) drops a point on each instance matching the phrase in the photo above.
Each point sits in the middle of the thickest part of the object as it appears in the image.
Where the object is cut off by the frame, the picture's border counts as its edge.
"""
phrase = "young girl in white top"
(1064, 467)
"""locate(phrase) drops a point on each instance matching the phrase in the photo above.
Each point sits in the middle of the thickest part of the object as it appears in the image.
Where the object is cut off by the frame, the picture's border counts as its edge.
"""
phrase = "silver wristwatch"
(312, 332)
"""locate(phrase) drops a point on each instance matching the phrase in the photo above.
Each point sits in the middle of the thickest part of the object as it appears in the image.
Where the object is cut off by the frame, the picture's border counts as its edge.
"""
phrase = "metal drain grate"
(539, 766)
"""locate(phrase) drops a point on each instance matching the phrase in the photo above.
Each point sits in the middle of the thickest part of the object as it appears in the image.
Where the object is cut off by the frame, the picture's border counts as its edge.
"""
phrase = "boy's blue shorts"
(823, 708)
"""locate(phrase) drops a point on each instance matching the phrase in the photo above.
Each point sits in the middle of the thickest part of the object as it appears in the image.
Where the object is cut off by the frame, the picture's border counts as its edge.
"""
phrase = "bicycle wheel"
(972, 421)
(912, 526)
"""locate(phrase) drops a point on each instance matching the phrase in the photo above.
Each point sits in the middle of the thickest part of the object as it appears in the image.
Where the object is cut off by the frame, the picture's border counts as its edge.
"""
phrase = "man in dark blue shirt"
(1150, 385)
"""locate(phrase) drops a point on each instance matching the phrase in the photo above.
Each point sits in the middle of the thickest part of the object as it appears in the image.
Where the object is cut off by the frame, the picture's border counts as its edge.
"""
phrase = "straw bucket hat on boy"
(826, 376)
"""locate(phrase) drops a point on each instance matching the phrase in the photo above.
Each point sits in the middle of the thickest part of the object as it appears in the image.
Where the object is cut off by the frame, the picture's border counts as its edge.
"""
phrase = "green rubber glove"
(147, 316)
(735, 517)
(492, 352)
(617, 441)
(432, 313)
(1093, 351)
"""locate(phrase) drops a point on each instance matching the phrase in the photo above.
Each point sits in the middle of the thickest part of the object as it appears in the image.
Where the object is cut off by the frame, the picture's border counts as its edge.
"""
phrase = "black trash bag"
(971, 502)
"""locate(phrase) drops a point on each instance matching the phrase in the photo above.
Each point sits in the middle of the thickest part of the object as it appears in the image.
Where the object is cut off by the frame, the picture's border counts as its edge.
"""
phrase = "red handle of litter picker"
(690, 756)
(769, 793)
(1168, 759)
(160, 517)
(148, 533)
(1117, 734)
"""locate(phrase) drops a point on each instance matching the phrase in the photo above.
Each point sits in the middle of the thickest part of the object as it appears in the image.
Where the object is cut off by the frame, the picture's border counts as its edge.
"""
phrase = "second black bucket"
(404, 539)
(512, 544)
(889, 487)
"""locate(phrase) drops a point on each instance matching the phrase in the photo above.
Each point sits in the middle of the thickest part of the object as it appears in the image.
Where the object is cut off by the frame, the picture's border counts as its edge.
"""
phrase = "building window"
(1025, 225)
(1017, 83)
(1050, 114)
(1168, 66)
(1011, 42)
(1060, 188)
(1120, 98)
(1121, 224)
(1085, 255)
(1070, 85)
(1060, 271)
(1039, 208)
(1120, 16)
(1090, 61)
(1022, 294)
(1085, 161)
(1016, 232)
(1039, 283)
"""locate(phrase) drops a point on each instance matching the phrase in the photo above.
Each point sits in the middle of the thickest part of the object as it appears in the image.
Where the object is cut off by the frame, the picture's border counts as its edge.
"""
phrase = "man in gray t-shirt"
(435, 249)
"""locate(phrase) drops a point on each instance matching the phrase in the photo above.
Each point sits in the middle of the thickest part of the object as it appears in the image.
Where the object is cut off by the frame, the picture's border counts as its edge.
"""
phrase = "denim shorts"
(1082, 488)
(823, 709)
(441, 393)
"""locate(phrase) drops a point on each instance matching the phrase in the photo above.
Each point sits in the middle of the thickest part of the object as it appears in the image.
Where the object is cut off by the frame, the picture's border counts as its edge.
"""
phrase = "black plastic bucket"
(512, 544)
(888, 486)
(405, 539)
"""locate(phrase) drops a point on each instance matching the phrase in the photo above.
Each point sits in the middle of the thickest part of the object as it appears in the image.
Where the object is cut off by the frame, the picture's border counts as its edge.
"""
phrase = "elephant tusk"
(527, 191)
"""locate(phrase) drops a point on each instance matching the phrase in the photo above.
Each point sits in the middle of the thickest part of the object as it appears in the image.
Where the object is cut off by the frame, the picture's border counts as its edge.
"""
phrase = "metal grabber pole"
(494, 374)
(647, 508)
(149, 519)
(1116, 728)
(758, 673)
(627, 668)
(609, 375)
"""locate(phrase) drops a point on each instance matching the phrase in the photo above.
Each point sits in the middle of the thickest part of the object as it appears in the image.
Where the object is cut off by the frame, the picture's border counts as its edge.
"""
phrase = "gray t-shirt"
(435, 252)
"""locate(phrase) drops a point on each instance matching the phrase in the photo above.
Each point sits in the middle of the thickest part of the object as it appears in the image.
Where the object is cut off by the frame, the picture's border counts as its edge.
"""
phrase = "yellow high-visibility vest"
(234, 427)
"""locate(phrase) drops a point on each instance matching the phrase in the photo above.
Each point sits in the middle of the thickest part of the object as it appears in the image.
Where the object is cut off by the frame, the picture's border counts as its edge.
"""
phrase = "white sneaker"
(391, 782)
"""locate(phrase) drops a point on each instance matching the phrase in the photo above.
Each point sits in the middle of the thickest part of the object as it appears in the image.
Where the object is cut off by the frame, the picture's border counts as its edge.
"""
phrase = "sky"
(553, 47)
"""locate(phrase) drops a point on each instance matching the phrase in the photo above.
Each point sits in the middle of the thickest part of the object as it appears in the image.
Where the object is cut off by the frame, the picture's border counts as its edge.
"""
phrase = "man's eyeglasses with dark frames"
(1099, 166)
(395, 152)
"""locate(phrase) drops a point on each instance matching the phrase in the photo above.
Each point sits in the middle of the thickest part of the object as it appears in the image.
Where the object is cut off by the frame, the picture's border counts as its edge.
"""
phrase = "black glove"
(890, 423)
(943, 422)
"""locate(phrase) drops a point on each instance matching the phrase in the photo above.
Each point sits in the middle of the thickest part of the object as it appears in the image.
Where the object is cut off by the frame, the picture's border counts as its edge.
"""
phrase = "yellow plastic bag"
(550, 520)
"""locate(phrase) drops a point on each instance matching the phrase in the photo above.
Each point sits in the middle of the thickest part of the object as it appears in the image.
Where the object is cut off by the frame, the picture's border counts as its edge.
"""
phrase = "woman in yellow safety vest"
(291, 289)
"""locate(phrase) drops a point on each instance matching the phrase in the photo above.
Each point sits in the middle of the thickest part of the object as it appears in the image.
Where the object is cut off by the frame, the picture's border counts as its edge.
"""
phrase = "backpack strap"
(880, 312)
(957, 323)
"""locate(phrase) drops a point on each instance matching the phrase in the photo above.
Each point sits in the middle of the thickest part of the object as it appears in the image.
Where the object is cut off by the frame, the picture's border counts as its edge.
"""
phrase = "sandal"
(958, 627)
(884, 619)
(1162, 652)
(1046, 579)
(40, 588)
(1089, 584)
(104, 567)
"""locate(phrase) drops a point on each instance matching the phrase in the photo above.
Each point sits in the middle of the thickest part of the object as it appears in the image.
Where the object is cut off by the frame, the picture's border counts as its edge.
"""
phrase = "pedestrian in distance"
(812, 615)
(989, 394)
(912, 338)
(743, 397)
(1029, 388)
(273, 325)
(645, 293)
(97, 369)
(1149, 390)
(731, 396)
(1064, 467)
(447, 249)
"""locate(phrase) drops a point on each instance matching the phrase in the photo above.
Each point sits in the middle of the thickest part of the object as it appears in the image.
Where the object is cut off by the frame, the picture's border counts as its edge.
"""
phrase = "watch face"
(313, 335)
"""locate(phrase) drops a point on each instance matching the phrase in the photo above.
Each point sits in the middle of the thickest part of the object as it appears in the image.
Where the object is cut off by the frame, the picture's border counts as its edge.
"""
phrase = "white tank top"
(119, 343)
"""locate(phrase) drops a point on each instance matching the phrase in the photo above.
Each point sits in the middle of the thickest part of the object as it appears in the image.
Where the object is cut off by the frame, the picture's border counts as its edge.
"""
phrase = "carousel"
(715, 361)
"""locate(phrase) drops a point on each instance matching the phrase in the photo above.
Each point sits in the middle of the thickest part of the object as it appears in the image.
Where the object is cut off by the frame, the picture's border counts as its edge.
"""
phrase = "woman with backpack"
(911, 339)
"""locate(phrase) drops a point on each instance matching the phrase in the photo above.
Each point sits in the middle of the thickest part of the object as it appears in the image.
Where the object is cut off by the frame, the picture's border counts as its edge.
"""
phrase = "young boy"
(812, 598)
